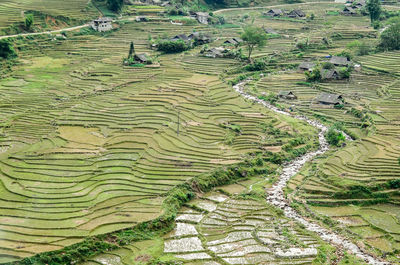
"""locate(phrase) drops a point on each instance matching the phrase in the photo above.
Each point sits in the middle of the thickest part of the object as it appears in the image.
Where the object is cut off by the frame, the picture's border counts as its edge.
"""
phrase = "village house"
(360, 4)
(142, 58)
(233, 41)
(349, 11)
(340, 61)
(102, 24)
(216, 52)
(180, 37)
(200, 38)
(329, 74)
(330, 99)
(284, 94)
(306, 66)
(296, 13)
(141, 19)
(202, 17)
(274, 13)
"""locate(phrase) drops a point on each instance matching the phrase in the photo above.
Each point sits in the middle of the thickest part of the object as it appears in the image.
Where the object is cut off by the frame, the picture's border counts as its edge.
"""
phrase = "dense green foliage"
(334, 137)
(254, 37)
(169, 46)
(390, 38)
(313, 76)
(28, 21)
(115, 5)
(6, 49)
(374, 9)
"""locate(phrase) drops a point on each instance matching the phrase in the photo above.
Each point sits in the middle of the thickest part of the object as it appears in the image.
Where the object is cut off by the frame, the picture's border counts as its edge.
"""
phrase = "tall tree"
(28, 21)
(131, 50)
(253, 37)
(374, 9)
(115, 5)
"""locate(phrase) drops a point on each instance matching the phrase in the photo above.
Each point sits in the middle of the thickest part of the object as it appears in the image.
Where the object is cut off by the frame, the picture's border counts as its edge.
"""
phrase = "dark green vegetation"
(390, 38)
(374, 9)
(6, 49)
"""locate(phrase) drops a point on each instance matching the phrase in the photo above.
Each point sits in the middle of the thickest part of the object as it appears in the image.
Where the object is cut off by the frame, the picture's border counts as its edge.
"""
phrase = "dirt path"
(276, 196)
(44, 32)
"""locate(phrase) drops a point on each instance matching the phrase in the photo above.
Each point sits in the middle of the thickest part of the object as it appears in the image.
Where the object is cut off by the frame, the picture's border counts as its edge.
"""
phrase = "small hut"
(285, 94)
(330, 99)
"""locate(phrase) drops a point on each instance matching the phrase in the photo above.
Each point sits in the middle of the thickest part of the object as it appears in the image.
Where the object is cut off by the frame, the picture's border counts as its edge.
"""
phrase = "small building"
(284, 94)
(200, 38)
(141, 19)
(202, 17)
(180, 37)
(349, 11)
(306, 66)
(360, 4)
(296, 13)
(339, 61)
(274, 13)
(102, 24)
(233, 41)
(270, 31)
(329, 74)
(330, 99)
(142, 58)
(216, 52)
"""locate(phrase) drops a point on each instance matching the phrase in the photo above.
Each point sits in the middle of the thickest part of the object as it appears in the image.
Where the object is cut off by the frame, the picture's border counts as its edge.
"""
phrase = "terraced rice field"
(12, 11)
(222, 229)
(90, 146)
(370, 161)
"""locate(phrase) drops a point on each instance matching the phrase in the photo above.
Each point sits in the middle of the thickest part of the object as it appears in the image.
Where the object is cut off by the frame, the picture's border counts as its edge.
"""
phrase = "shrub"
(6, 49)
(390, 38)
(345, 72)
(28, 21)
(328, 65)
(313, 76)
(334, 137)
(168, 46)
(115, 5)
(257, 65)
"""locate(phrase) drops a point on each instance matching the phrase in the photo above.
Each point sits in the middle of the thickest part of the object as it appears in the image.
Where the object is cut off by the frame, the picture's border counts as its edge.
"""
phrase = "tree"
(28, 21)
(6, 49)
(253, 37)
(131, 50)
(374, 9)
(115, 5)
(390, 38)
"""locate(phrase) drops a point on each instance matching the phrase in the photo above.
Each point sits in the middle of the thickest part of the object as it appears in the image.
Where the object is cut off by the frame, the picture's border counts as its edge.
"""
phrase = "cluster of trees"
(169, 46)
(6, 49)
(390, 37)
(115, 5)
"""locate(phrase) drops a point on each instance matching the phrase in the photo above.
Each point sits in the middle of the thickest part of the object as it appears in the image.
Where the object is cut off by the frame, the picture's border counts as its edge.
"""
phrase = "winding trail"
(276, 196)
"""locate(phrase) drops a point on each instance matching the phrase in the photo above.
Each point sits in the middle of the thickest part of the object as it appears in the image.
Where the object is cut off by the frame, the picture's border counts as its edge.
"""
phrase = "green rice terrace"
(199, 150)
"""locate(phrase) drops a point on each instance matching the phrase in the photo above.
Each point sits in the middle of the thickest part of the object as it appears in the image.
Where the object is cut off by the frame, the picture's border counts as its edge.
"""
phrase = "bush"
(328, 65)
(28, 21)
(115, 5)
(6, 49)
(313, 76)
(334, 137)
(345, 72)
(257, 65)
(168, 46)
(390, 38)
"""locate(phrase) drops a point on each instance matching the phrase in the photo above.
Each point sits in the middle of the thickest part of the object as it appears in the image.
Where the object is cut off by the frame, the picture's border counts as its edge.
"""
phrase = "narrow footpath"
(275, 193)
